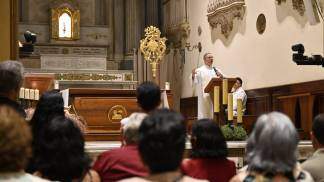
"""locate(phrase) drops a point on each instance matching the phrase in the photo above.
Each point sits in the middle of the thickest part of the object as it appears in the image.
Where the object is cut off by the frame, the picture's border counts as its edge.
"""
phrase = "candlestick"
(31, 94)
(216, 99)
(22, 93)
(239, 111)
(36, 94)
(225, 91)
(167, 86)
(230, 107)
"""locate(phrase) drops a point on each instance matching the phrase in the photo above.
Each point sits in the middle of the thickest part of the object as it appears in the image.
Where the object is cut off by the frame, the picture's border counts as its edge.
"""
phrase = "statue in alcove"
(65, 20)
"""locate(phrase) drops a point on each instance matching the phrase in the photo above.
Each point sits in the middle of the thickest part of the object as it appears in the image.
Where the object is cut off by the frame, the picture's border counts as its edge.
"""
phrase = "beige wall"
(4, 30)
(261, 60)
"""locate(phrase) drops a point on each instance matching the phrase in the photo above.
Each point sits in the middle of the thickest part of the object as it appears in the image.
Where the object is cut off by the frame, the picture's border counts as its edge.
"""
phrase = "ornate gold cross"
(153, 47)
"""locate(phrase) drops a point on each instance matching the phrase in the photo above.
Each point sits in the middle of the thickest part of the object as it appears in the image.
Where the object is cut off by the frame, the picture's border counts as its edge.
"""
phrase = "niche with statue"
(65, 20)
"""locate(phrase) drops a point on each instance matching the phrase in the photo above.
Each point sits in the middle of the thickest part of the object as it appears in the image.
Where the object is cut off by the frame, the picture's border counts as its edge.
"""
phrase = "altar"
(102, 110)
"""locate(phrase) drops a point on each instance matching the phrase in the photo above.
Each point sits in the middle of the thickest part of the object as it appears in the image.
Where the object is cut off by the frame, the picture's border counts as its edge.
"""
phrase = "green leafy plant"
(233, 132)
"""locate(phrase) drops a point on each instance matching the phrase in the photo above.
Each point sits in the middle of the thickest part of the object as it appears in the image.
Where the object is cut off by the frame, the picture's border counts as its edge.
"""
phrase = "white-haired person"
(124, 162)
(11, 79)
(272, 151)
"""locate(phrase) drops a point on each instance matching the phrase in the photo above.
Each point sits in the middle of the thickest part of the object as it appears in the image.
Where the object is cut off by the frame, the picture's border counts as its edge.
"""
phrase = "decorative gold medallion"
(117, 113)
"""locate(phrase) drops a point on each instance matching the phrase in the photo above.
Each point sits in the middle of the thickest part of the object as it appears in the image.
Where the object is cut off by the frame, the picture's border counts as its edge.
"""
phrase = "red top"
(218, 170)
(120, 163)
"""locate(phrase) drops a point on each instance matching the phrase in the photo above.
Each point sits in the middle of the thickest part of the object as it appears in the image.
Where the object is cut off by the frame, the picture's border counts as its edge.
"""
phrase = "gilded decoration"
(223, 13)
(153, 47)
(69, 8)
(117, 113)
(88, 77)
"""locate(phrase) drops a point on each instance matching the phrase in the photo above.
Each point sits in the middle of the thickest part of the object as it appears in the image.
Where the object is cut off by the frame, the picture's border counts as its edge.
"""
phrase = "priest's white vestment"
(202, 77)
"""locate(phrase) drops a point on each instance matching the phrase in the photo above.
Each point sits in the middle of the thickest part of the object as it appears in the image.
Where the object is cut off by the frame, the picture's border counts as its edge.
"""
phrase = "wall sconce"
(198, 46)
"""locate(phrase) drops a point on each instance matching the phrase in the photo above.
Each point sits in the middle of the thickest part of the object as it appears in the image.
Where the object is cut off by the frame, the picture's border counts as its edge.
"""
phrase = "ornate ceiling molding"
(224, 12)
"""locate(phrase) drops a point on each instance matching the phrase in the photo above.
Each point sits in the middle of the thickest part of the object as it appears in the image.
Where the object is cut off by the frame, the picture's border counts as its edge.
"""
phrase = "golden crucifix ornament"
(153, 47)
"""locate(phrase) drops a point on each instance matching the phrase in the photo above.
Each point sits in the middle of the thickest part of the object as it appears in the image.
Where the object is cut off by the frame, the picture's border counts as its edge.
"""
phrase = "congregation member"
(314, 165)
(271, 151)
(15, 147)
(61, 154)
(11, 79)
(124, 162)
(208, 156)
(148, 95)
(49, 105)
(162, 137)
(200, 77)
(238, 93)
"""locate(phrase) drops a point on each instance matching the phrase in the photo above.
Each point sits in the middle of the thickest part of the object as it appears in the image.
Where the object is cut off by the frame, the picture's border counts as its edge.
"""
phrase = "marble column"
(119, 29)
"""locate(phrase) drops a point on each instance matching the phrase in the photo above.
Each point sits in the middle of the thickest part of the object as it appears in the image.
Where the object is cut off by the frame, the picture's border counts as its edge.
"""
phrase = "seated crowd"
(51, 146)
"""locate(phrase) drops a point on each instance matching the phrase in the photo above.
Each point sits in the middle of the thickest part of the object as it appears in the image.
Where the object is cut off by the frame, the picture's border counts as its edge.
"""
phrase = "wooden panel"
(95, 110)
(42, 82)
(300, 101)
(96, 106)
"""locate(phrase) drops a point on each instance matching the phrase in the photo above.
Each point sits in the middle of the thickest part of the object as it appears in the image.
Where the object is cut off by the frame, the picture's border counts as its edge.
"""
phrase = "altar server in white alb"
(238, 93)
(200, 77)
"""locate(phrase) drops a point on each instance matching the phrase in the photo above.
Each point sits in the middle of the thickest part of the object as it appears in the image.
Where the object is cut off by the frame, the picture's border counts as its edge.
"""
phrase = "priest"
(200, 77)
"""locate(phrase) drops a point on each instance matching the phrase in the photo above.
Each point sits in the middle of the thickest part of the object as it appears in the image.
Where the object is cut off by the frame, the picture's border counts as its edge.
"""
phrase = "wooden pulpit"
(223, 85)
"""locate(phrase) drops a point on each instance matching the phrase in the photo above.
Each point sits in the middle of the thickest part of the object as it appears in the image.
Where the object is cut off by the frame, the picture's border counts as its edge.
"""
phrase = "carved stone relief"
(298, 5)
(223, 13)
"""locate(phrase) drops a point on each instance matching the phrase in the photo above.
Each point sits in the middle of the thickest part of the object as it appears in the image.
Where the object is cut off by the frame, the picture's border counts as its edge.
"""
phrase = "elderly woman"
(11, 79)
(272, 151)
(123, 162)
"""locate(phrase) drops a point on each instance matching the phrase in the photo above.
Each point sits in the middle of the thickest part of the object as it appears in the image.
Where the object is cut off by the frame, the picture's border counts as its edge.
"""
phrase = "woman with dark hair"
(61, 155)
(209, 152)
(50, 104)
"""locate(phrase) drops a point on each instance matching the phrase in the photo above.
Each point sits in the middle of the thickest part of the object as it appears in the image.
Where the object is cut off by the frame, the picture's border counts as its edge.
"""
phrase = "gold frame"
(75, 18)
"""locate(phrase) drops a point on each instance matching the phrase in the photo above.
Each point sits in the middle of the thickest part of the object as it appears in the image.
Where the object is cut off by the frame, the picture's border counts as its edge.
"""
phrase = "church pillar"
(8, 14)
(119, 29)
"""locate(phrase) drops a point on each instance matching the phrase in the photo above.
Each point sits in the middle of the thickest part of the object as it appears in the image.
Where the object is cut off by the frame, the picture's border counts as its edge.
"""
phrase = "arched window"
(65, 26)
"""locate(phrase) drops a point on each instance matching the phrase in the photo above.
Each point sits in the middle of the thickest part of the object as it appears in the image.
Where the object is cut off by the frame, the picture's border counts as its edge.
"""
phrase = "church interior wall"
(95, 21)
(260, 60)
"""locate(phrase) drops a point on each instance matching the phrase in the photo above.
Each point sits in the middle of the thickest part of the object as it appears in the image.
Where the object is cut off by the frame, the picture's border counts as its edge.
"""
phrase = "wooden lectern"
(219, 117)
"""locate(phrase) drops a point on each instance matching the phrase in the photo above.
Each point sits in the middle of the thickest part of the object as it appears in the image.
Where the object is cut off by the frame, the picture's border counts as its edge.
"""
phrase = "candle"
(56, 84)
(230, 107)
(239, 111)
(26, 93)
(225, 91)
(36, 94)
(167, 86)
(216, 99)
(22, 93)
(31, 94)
